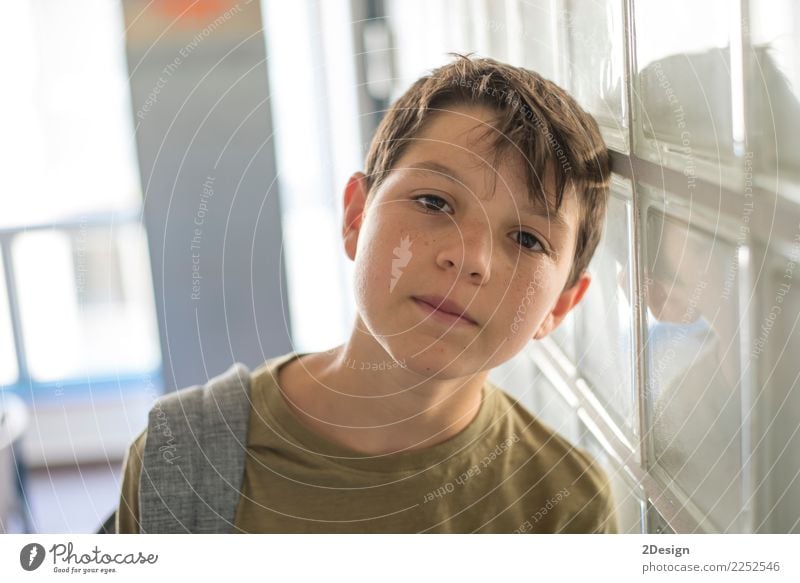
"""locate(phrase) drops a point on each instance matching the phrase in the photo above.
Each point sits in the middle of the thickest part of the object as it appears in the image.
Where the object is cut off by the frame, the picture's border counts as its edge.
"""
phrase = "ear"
(568, 299)
(355, 198)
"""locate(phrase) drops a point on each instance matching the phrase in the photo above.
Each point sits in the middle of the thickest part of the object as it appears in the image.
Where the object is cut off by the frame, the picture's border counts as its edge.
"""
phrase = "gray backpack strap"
(194, 456)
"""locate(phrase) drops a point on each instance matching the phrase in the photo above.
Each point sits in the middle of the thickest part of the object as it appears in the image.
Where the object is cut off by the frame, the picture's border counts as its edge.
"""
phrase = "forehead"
(467, 130)
(458, 146)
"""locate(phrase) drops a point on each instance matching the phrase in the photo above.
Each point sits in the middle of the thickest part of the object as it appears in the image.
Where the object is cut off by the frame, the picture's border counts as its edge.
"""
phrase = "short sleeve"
(128, 510)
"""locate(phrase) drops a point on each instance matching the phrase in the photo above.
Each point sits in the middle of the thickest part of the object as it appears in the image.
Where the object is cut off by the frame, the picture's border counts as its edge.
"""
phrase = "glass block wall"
(678, 371)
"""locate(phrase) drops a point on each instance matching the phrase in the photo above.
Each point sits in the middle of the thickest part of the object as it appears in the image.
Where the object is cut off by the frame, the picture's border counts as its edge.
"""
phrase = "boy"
(482, 203)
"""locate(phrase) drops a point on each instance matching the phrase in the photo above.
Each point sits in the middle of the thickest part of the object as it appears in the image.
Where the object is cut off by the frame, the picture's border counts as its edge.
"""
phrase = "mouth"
(444, 310)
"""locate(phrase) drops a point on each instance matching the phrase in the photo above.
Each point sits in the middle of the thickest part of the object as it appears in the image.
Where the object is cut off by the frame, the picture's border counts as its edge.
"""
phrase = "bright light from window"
(66, 146)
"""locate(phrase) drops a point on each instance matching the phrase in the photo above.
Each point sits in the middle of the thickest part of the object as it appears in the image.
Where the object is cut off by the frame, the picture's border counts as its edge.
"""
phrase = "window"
(80, 293)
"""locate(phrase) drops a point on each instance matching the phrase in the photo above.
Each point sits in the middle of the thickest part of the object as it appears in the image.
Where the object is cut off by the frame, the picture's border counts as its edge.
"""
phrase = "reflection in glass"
(693, 390)
(684, 83)
(776, 344)
(774, 111)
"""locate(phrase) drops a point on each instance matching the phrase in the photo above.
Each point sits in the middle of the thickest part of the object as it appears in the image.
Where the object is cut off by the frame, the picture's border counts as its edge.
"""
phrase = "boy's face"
(422, 233)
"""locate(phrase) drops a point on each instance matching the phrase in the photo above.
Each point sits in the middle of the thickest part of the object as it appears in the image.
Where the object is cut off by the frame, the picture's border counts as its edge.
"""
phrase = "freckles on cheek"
(527, 302)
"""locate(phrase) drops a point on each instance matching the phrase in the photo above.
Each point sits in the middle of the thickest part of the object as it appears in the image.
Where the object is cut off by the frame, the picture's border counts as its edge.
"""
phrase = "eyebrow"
(557, 218)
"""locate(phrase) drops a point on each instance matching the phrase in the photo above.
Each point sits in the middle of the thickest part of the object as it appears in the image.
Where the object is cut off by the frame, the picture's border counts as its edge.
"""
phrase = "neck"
(359, 396)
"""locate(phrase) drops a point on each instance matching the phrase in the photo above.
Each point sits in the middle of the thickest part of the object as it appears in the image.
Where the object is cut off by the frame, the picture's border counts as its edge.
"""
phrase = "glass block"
(685, 116)
(514, 41)
(497, 27)
(514, 377)
(775, 346)
(604, 319)
(542, 40)
(773, 89)
(86, 302)
(552, 409)
(629, 497)
(596, 74)
(8, 354)
(656, 524)
(564, 337)
(693, 367)
(424, 32)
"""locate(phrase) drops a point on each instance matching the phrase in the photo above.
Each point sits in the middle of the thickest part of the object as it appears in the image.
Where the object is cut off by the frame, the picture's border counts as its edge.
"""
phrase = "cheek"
(384, 253)
(528, 299)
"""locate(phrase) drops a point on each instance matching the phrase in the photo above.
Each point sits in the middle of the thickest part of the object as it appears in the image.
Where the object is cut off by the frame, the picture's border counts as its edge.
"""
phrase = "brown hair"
(537, 118)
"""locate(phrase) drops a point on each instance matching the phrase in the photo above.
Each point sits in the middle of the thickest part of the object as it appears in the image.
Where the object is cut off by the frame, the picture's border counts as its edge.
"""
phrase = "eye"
(527, 240)
(526, 237)
(427, 207)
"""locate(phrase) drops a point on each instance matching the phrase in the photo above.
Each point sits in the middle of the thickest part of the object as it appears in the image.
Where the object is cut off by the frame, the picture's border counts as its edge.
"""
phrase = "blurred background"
(172, 183)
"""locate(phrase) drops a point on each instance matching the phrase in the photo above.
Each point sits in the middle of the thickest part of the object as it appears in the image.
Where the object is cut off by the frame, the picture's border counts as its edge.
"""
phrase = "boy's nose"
(469, 252)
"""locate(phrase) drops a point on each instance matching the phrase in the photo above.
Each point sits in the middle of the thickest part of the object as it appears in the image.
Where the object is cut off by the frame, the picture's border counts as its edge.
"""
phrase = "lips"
(447, 306)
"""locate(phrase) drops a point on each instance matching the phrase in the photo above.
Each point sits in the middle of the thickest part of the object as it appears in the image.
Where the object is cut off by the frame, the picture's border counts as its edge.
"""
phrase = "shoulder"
(132, 463)
(127, 515)
(538, 438)
(569, 472)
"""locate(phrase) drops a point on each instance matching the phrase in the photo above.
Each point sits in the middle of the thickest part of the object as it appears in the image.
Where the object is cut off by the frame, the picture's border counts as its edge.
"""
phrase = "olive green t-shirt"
(505, 472)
